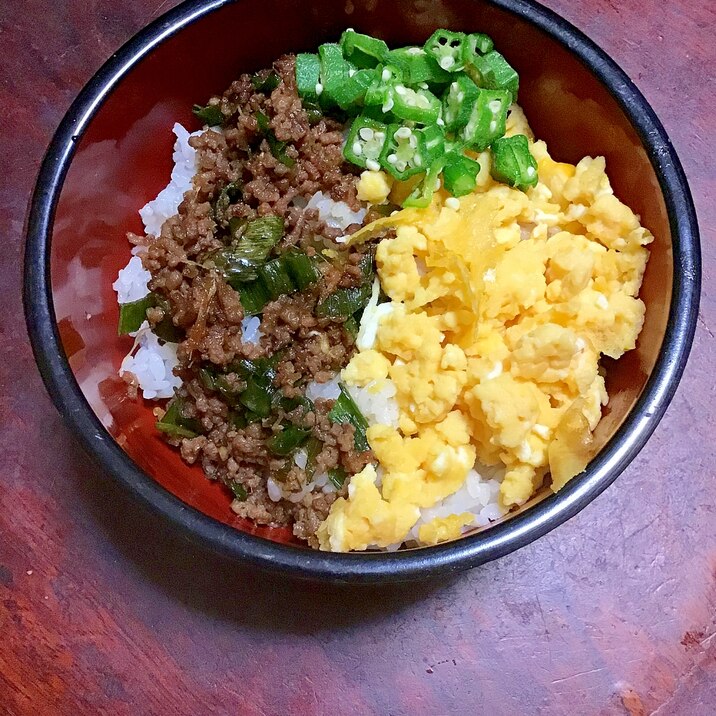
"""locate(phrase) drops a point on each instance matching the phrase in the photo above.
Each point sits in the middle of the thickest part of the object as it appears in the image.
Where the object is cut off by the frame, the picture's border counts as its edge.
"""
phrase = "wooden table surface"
(104, 610)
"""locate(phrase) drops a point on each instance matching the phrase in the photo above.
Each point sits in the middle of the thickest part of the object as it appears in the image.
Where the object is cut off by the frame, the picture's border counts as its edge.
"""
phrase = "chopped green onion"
(313, 450)
(133, 314)
(254, 297)
(228, 195)
(345, 410)
(337, 476)
(344, 302)
(256, 398)
(513, 163)
(242, 261)
(301, 268)
(290, 438)
(175, 424)
(278, 148)
(238, 490)
(210, 115)
(351, 327)
(265, 81)
(276, 278)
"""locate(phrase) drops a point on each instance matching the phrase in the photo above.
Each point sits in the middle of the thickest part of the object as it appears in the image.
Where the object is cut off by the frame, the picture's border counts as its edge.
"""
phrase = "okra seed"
(357, 148)
(319, 88)
(366, 133)
(452, 203)
(385, 76)
(372, 165)
(392, 158)
(400, 90)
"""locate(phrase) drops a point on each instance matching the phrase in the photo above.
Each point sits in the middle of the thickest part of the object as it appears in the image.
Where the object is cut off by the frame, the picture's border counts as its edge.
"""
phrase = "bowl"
(112, 153)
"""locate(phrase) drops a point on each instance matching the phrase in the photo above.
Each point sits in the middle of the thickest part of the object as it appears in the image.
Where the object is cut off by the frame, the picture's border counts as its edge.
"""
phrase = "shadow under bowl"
(112, 153)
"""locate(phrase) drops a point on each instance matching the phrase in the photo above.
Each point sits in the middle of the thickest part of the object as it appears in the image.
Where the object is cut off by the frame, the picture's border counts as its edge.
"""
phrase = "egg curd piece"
(501, 306)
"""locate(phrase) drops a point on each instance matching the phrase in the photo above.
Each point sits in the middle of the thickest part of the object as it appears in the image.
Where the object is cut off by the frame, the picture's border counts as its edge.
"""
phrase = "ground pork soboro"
(239, 180)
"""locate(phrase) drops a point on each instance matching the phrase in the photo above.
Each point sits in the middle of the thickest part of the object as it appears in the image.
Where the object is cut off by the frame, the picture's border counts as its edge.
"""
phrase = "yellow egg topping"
(502, 303)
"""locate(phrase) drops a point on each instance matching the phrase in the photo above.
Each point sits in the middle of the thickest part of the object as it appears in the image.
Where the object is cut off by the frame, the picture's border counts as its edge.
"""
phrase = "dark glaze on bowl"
(112, 153)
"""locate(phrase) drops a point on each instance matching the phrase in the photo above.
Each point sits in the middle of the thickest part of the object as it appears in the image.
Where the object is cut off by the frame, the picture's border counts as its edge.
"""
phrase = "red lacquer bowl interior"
(124, 159)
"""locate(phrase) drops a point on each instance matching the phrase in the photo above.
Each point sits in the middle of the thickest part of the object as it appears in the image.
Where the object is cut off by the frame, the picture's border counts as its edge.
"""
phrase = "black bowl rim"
(384, 567)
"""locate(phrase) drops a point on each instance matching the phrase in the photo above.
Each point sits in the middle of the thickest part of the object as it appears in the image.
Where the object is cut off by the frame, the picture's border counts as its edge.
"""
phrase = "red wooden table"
(104, 610)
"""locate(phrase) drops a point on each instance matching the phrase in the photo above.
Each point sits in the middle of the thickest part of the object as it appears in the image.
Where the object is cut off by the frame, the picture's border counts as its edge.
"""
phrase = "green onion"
(337, 476)
(344, 302)
(254, 297)
(345, 410)
(313, 450)
(278, 149)
(301, 268)
(241, 262)
(228, 195)
(351, 327)
(290, 438)
(133, 314)
(275, 277)
(210, 115)
(239, 490)
(265, 81)
(256, 398)
(175, 424)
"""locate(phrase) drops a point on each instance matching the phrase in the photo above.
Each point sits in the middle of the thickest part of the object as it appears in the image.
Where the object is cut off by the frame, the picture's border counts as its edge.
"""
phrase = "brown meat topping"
(207, 312)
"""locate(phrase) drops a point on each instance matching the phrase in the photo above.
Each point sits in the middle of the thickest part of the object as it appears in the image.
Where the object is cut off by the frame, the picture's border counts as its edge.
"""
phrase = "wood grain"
(104, 610)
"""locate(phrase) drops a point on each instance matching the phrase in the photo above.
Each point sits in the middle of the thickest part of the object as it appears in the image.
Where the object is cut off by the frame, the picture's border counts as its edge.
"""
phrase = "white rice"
(157, 211)
(335, 214)
(152, 363)
(251, 330)
(131, 283)
(377, 402)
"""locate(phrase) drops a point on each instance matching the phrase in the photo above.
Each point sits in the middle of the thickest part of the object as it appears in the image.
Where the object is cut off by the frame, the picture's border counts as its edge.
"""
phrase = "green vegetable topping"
(337, 476)
(513, 163)
(417, 66)
(365, 142)
(460, 174)
(133, 314)
(345, 410)
(290, 438)
(265, 81)
(210, 115)
(241, 261)
(402, 154)
(487, 119)
(174, 422)
(363, 50)
(308, 76)
(278, 149)
(238, 490)
(447, 48)
(493, 71)
(457, 103)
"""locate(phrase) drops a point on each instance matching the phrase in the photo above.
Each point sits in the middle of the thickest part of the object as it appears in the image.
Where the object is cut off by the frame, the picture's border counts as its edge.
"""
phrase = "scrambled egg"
(499, 312)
